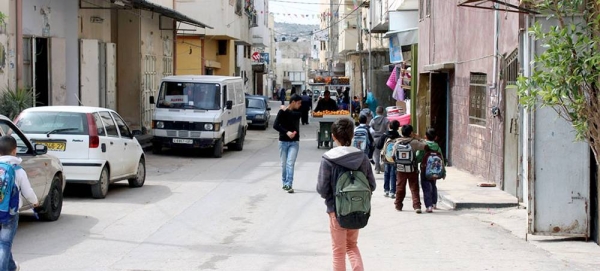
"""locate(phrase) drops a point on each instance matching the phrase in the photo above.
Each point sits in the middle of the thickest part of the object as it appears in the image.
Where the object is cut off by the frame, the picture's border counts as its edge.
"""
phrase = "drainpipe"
(496, 34)
(19, 41)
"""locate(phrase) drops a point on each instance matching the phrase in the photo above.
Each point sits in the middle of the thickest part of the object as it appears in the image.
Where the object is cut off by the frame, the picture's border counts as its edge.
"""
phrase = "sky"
(295, 9)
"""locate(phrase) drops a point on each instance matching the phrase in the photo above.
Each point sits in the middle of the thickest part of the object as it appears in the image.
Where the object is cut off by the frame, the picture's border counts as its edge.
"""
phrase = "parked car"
(258, 111)
(94, 144)
(44, 171)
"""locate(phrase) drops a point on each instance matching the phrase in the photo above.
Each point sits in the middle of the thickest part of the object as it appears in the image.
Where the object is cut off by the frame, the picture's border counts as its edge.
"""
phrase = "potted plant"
(13, 101)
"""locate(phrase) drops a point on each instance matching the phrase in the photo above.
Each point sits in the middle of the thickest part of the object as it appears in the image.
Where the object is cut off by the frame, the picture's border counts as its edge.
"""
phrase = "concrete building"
(225, 49)
(7, 64)
(292, 63)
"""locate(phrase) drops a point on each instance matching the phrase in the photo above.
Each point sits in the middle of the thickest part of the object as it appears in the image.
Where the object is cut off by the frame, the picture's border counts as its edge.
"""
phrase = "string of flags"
(322, 15)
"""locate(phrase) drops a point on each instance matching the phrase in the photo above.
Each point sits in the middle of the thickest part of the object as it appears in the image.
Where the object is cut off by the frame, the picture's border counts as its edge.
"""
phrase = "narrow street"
(201, 213)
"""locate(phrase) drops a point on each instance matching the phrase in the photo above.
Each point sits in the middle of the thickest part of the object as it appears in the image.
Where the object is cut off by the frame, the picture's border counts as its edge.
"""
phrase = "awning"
(167, 12)
(212, 64)
(405, 37)
(439, 67)
(490, 4)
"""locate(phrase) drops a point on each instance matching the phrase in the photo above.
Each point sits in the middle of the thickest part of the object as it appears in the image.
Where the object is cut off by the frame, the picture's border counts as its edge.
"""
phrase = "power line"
(323, 29)
(305, 3)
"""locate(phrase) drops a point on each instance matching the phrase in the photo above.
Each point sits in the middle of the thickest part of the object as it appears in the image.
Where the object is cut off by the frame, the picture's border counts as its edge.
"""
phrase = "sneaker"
(418, 211)
(392, 195)
(386, 193)
(286, 188)
(290, 190)
(429, 209)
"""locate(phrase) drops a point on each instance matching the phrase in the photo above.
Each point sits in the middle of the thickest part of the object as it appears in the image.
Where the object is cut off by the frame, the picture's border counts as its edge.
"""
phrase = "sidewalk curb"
(456, 204)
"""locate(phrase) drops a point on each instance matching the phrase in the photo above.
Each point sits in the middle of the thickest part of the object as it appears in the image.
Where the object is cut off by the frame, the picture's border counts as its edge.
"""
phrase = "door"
(438, 109)
(89, 72)
(422, 108)
(58, 72)
(511, 142)
(114, 145)
(130, 154)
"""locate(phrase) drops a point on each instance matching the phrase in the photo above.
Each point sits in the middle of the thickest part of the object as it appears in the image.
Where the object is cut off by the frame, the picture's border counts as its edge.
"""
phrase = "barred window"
(478, 99)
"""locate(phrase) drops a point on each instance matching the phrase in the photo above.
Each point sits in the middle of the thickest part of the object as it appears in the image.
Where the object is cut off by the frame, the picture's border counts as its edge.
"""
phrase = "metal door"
(89, 72)
(58, 68)
(511, 142)
(149, 88)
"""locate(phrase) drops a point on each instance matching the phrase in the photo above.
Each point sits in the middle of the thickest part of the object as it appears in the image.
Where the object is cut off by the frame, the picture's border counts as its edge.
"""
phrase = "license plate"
(54, 146)
(183, 141)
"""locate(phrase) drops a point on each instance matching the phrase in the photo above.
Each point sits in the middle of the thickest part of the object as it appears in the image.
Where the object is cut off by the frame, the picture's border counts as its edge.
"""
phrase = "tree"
(566, 74)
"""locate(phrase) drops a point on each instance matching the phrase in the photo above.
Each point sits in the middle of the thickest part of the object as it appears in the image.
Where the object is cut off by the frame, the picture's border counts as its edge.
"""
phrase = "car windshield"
(255, 103)
(5, 129)
(67, 123)
(203, 96)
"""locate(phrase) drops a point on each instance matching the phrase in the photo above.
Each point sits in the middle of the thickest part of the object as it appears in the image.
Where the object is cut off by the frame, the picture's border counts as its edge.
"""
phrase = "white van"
(199, 111)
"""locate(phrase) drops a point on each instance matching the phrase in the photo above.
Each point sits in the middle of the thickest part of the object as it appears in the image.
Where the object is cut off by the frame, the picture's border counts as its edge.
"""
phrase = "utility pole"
(360, 49)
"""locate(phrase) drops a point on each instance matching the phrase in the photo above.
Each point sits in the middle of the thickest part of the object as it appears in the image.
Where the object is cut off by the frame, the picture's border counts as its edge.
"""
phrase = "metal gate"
(148, 89)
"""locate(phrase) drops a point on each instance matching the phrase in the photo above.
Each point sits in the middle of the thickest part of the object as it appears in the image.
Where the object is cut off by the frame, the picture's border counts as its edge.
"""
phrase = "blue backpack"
(433, 166)
(9, 192)
(361, 139)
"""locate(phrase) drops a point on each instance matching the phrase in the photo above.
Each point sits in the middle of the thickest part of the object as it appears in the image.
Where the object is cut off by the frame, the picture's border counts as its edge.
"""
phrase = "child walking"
(429, 187)
(344, 241)
(8, 152)
(389, 169)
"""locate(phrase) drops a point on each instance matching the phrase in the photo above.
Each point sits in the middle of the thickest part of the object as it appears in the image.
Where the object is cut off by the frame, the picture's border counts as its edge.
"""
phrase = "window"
(248, 48)
(111, 128)
(421, 9)
(510, 71)
(203, 96)
(222, 50)
(123, 129)
(478, 99)
(64, 123)
(238, 7)
(428, 8)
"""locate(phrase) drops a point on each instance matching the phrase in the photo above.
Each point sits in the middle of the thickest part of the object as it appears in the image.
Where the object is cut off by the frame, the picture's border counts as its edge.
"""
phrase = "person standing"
(379, 126)
(287, 123)
(8, 229)
(408, 137)
(282, 96)
(326, 104)
(371, 102)
(430, 194)
(344, 241)
(389, 174)
(306, 107)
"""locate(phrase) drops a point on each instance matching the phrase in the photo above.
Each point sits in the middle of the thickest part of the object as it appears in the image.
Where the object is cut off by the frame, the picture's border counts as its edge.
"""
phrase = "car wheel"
(140, 178)
(239, 143)
(218, 149)
(54, 201)
(156, 148)
(100, 189)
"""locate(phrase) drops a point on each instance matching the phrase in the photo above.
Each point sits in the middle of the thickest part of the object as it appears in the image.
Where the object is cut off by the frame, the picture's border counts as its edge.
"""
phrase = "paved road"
(200, 213)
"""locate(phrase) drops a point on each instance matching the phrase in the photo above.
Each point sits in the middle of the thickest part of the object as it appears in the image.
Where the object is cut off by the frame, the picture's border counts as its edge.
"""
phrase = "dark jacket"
(332, 163)
(287, 121)
(306, 103)
(389, 134)
(282, 94)
(323, 105)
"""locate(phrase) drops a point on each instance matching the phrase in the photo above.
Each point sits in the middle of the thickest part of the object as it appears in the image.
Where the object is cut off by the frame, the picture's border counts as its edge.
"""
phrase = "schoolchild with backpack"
(407, 170)
(385, 145)
(346, 182)
(432, 169)
(13, 184)
(379, 126)
(363, 140)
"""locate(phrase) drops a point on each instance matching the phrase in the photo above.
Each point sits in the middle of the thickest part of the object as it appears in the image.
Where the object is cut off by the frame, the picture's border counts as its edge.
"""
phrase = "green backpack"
(352, 199)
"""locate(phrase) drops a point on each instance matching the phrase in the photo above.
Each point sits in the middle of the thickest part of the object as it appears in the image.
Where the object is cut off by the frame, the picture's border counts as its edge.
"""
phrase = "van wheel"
(218, 148)
(54, 201)
(239, 143)
(100, 189)
(140, 177)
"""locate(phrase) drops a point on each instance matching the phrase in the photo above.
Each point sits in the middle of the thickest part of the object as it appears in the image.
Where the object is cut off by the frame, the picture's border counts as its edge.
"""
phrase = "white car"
(94, 144)
(44, 171)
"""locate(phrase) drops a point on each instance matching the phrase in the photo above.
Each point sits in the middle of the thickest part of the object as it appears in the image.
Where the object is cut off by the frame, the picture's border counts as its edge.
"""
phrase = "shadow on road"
(119, 193)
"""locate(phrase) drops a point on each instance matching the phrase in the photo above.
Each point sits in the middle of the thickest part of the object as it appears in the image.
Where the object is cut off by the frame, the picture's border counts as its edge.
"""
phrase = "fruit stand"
(326, 119)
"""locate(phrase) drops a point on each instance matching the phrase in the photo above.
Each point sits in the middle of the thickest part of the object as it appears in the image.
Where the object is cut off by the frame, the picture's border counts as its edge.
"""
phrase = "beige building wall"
(129, 51)
(189, 55)
(96, 23)
(5, 50)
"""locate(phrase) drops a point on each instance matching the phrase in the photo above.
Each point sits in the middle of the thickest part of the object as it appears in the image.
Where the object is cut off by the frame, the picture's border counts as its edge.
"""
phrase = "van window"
(204, 96)
(64, 123)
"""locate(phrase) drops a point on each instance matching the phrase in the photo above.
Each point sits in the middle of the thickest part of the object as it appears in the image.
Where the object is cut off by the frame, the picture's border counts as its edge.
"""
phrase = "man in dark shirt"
(306, 106)
(287, 123)
(326, 103)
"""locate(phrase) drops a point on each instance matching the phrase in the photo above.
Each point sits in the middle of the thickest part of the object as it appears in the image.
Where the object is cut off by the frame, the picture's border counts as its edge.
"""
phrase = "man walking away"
(287, 123)
(282, 96)
(306, 106)
(379, 126)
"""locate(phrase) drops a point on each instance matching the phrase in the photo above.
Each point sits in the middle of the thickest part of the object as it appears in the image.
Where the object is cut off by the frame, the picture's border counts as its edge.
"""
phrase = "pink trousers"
(344, 241)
